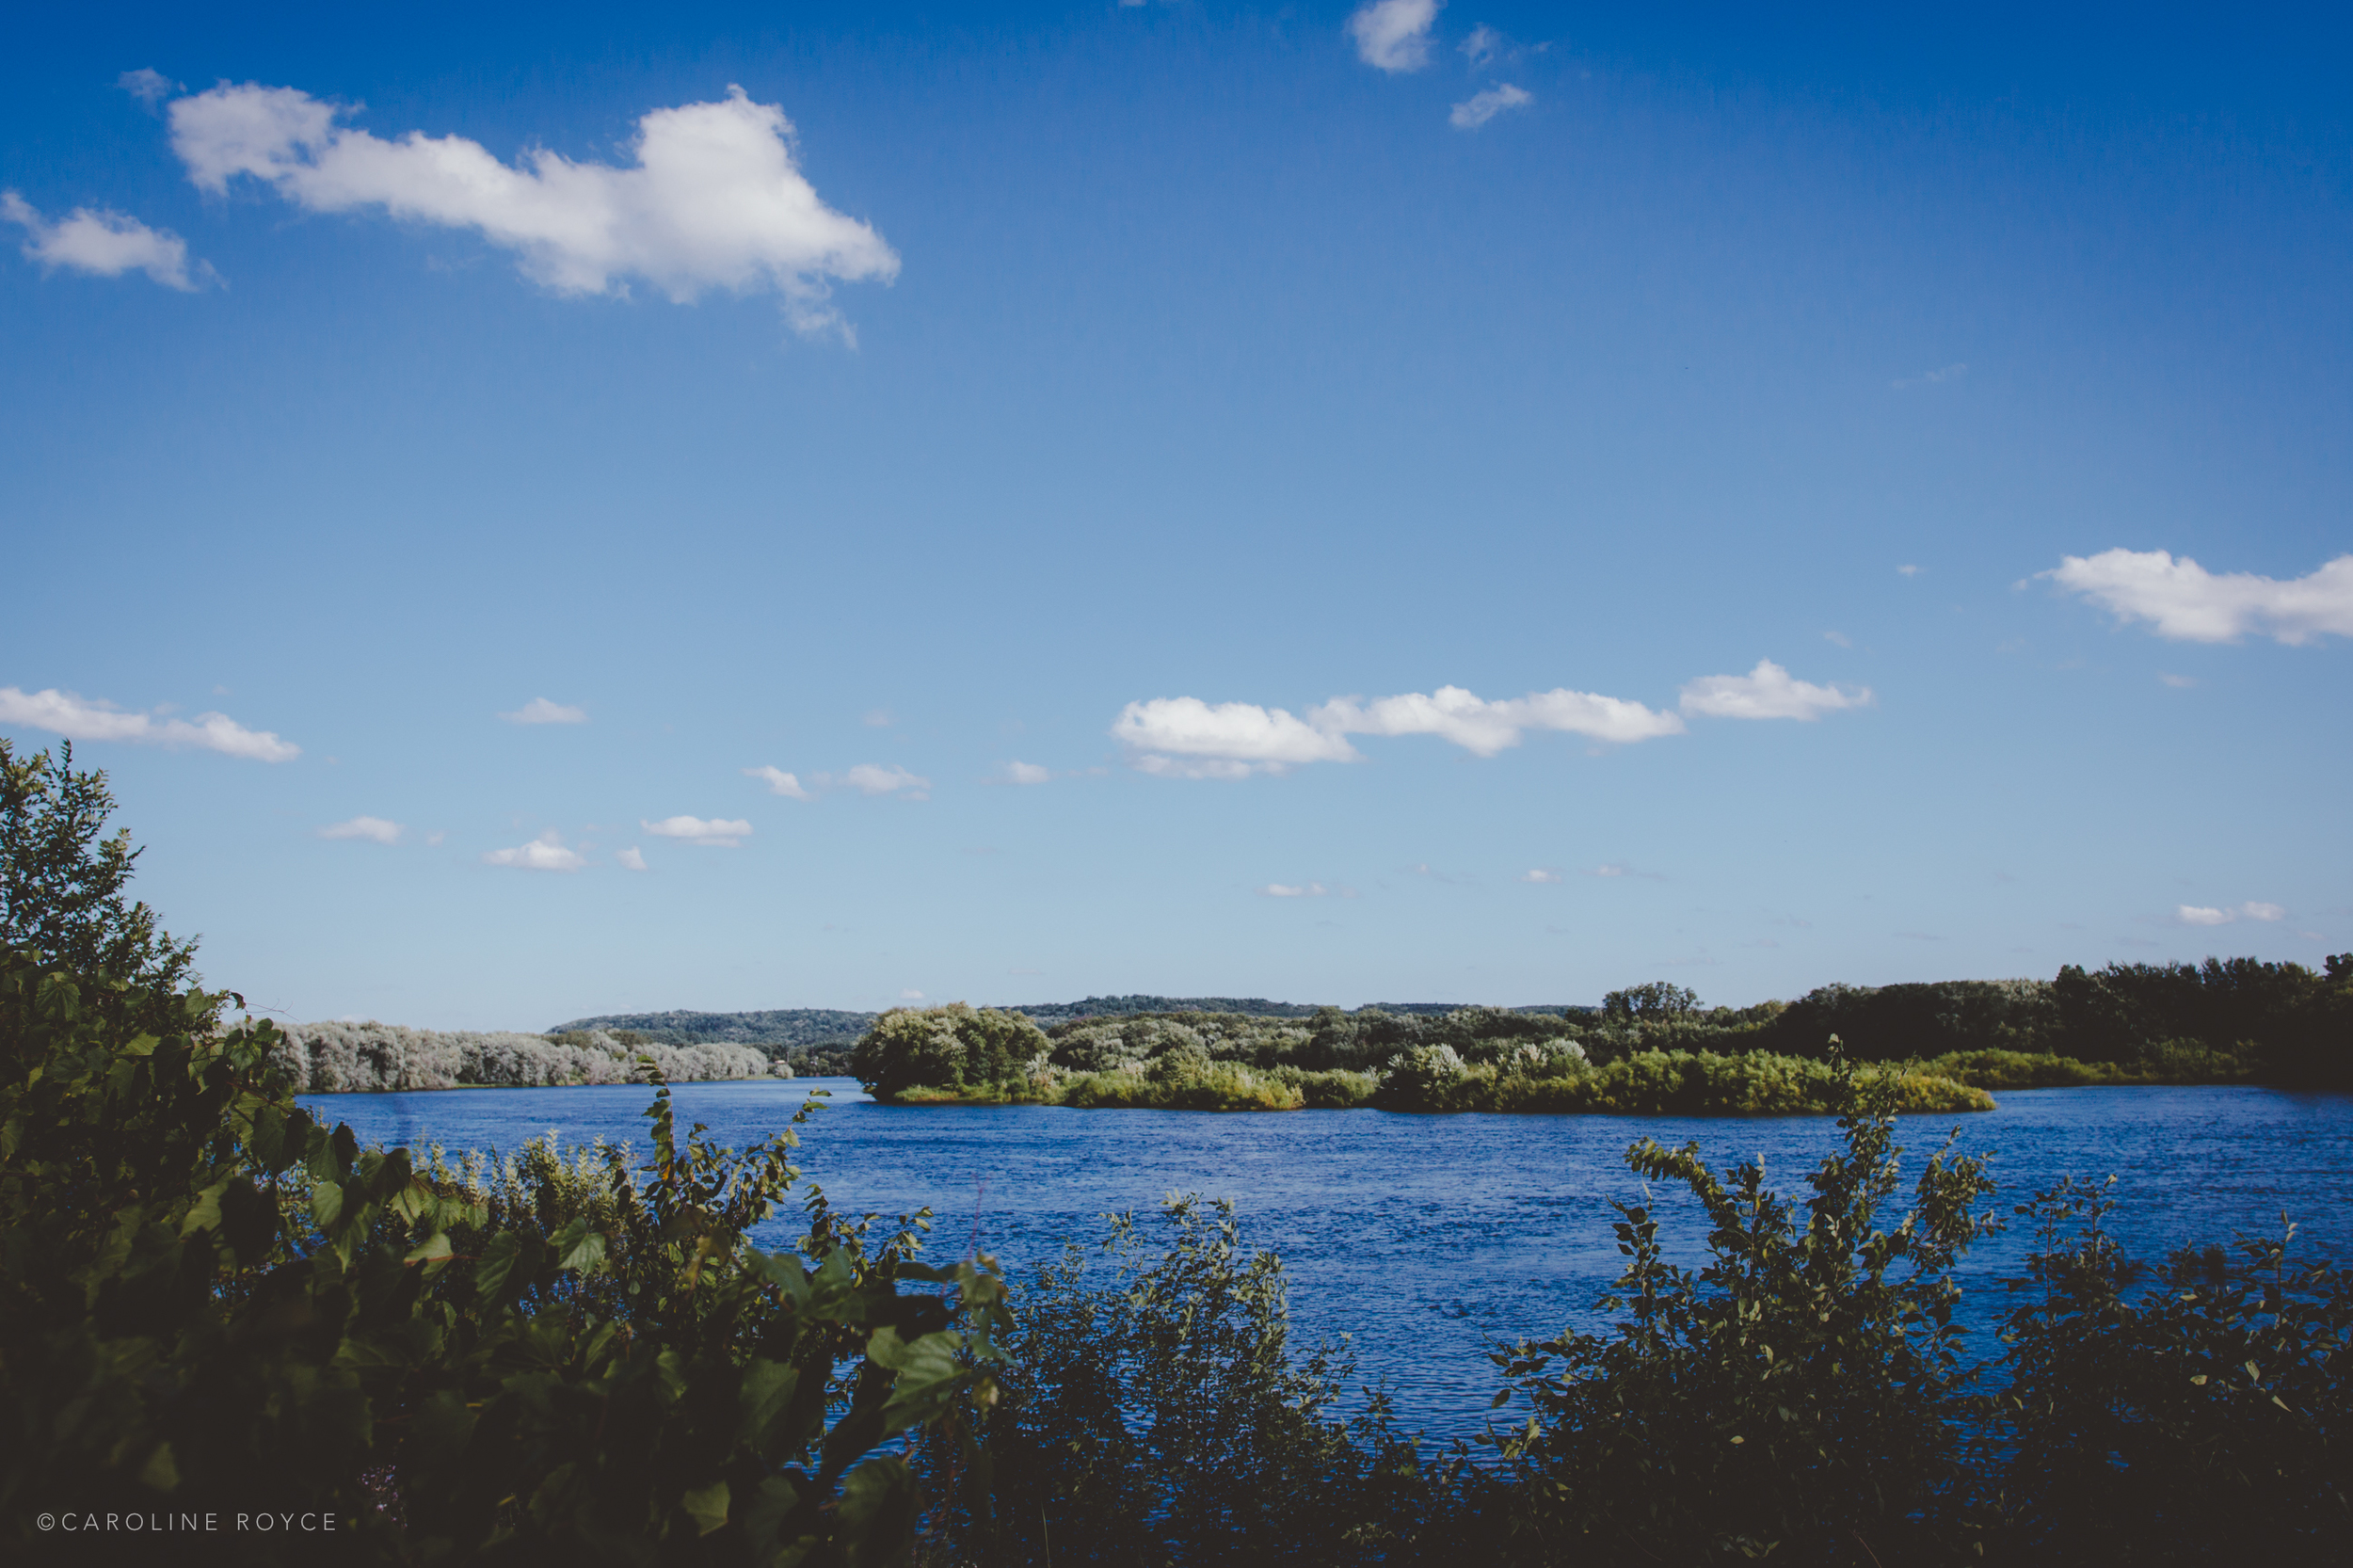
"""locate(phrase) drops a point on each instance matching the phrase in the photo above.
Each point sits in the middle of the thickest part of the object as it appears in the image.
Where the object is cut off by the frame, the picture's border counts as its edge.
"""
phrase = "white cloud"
(1909, 570)
(1394, 35)
(2194, 914)
(631, 858)
(374, 828)
(540, 711)
(1484, 728)
(714, 200)
(149, 85)
(1483, 44)
(2187, 604)
(1481, 107)
(1279, 890)
(716, 831)
(1185, 737)
(106, 243)
(877, 718)
(1027, 772)
(871, 778)
(910, 995)
(779, 783)
(1768, 692)
(1540, 874)
(2179, 682)
(1931, 377)
(544, 854)
(80, 720)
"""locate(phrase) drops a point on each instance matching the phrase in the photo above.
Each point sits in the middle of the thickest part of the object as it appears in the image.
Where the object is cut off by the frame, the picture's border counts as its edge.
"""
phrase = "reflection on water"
(1426, 1236)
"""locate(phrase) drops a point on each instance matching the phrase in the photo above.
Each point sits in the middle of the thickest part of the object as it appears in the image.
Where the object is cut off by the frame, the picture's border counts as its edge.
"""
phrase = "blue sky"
(1478, 503)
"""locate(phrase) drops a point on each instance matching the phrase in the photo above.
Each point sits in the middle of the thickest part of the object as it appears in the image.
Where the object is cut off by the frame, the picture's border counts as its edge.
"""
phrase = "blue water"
(1427, 1237)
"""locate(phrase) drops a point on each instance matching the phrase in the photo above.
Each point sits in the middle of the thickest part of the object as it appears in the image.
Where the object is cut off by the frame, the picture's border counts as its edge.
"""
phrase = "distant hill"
(796, 1028)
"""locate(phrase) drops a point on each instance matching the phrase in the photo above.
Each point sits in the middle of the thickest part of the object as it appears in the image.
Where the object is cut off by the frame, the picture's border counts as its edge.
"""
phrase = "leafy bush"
(209, 1302)
(2206, 1419)
(1788, 1398)
(1154, 1414)
(951, 1047)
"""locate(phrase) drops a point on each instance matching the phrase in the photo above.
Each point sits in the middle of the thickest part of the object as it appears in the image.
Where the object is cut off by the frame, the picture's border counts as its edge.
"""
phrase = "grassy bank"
(1646, 1084)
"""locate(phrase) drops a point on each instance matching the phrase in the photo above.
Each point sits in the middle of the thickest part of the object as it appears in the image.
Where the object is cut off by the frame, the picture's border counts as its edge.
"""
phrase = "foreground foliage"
(210, 1303)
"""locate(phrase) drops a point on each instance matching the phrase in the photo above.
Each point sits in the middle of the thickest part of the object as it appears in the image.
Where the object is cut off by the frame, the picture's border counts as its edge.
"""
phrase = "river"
(1426, 1238)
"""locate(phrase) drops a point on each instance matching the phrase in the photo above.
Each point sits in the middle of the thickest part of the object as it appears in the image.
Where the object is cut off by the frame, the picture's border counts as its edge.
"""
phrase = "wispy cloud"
(631, 858)
(1611, 871)
(1394, 35)
(149, 85)
(716, 831)
(2195, 914)
(1028, 773)
(1481, 107)
(106, 244)
(2179, 682)
(544, 854)
(78, 719)
(540, 711)
(375, 829)
(780, 783)
(1284, 890)
(1931, 377)
(2185, 602)
(873, 779)
(715, 200)
(1769, 692)
(1909, 570)
(1540, 874)
(1483, 44)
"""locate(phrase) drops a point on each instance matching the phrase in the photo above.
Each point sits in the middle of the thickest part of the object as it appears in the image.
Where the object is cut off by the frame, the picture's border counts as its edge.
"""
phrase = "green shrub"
(1154, 1414)
(1791, 1398)
(210, 1303)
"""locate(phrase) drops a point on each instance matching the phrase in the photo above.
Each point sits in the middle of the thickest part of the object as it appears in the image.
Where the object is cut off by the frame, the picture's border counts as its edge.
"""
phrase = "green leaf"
(496, 1265)
(708, 1506)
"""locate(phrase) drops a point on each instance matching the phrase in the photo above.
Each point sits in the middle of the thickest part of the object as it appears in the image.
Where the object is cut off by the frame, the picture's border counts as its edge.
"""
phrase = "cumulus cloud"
(716, 831)
(1394, 35)
(544, 854)
(540, 711)
(1483, 44)
(1484, 728)
(714, 200)
(871, 778)
(1027, 772)
(2195, 914)
(631, 858)
(1540, 874)
(1481, 107)
(1768, 692)
(1185, 737)
(1282, 889)
(375, 829)
(2187, 604)
(780, 782)
(79, 720)
(106, 244)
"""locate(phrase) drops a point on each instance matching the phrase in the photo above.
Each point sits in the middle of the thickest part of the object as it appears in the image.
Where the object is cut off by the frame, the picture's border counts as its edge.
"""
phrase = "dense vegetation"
(1648, 1048)
(339, 1058)
(2225, 1020)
